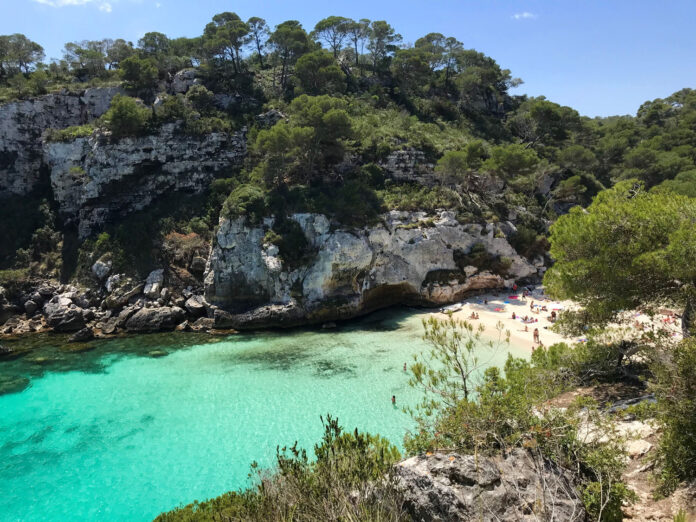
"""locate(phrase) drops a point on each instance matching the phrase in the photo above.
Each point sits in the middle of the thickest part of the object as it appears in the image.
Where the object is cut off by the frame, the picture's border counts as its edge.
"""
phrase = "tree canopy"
(629, 249)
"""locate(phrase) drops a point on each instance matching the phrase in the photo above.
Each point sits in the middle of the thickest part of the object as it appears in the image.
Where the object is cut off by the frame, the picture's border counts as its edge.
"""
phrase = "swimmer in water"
(394, 400)
(405, 367)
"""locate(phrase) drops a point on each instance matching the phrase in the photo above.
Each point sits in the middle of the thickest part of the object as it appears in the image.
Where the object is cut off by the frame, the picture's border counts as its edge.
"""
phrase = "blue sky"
(601, 57)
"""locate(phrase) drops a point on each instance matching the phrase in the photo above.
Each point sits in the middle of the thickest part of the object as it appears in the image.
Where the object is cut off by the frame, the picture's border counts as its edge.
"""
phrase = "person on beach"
(536, 336)
(514, 316)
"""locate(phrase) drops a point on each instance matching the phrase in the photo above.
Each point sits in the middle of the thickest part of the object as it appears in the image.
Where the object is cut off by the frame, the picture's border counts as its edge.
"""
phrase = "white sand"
(493, 309)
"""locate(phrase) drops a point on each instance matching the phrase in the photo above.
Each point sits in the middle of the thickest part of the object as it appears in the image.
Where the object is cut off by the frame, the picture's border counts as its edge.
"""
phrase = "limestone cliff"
(95, 181)
(23, 122)
(407, 259)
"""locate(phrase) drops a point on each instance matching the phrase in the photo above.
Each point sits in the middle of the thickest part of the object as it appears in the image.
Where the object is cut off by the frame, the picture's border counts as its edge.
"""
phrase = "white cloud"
(101, 4)
(524, 16)
(158, 5)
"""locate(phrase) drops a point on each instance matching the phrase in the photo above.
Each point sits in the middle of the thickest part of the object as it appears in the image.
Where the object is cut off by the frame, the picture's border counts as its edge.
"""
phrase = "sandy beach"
(494, 308)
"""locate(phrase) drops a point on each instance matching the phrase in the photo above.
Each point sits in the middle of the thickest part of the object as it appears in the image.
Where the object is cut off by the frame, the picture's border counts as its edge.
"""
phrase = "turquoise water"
(115, 434)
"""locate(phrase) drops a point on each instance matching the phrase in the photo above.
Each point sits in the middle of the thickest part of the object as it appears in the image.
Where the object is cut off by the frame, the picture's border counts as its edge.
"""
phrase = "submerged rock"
(12, 384)
(77, 348)
(517, 487)
(86, 334)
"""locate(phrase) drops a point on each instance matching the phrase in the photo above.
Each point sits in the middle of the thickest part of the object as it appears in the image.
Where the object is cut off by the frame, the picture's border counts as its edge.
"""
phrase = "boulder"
(113, 282)
(269, 118)
(121, 294)
(203, 324)
(197, 265)
(517, 487)
(81, 336)
(30, 307)
(101, 268)
(196, 305)
(155, 319)
(183, 81)
(153, 284)
(64, 316)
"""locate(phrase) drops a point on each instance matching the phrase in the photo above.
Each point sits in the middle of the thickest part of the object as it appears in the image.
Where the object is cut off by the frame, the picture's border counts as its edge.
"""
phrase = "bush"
(336, 486)
(675, 390)
(414, 197)
(126, 117)
(246, 200)
(70, 133)
(11, 277)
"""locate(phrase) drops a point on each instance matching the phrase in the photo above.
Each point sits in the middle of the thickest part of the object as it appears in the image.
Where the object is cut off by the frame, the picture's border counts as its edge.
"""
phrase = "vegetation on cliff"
(350, 94)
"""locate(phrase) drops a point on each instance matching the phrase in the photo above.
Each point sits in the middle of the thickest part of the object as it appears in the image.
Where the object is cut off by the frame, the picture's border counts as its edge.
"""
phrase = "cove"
(116, 434)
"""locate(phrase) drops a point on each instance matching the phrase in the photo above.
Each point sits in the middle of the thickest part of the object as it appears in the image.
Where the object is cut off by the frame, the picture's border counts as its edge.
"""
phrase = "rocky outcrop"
(517, 487)
(155, 319)
(95, 181)
(23, 122)
(408, 259)
(62, 315)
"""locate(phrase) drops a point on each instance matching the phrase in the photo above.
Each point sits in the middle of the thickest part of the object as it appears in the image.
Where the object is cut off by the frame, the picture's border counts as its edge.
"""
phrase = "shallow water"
(116, 434)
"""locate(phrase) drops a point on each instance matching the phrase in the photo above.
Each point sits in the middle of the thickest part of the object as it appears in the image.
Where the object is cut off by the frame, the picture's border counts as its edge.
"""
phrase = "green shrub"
(414, 197)
(10, 277)
(126, 117)
(335, 486)
(246, 200)
(675, 389)
(70, 133)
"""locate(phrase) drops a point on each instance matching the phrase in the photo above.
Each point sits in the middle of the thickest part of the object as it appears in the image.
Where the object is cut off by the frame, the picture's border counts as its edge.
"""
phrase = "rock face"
(94, 181)
(23, 122)
(445, 487)
(408, 259)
